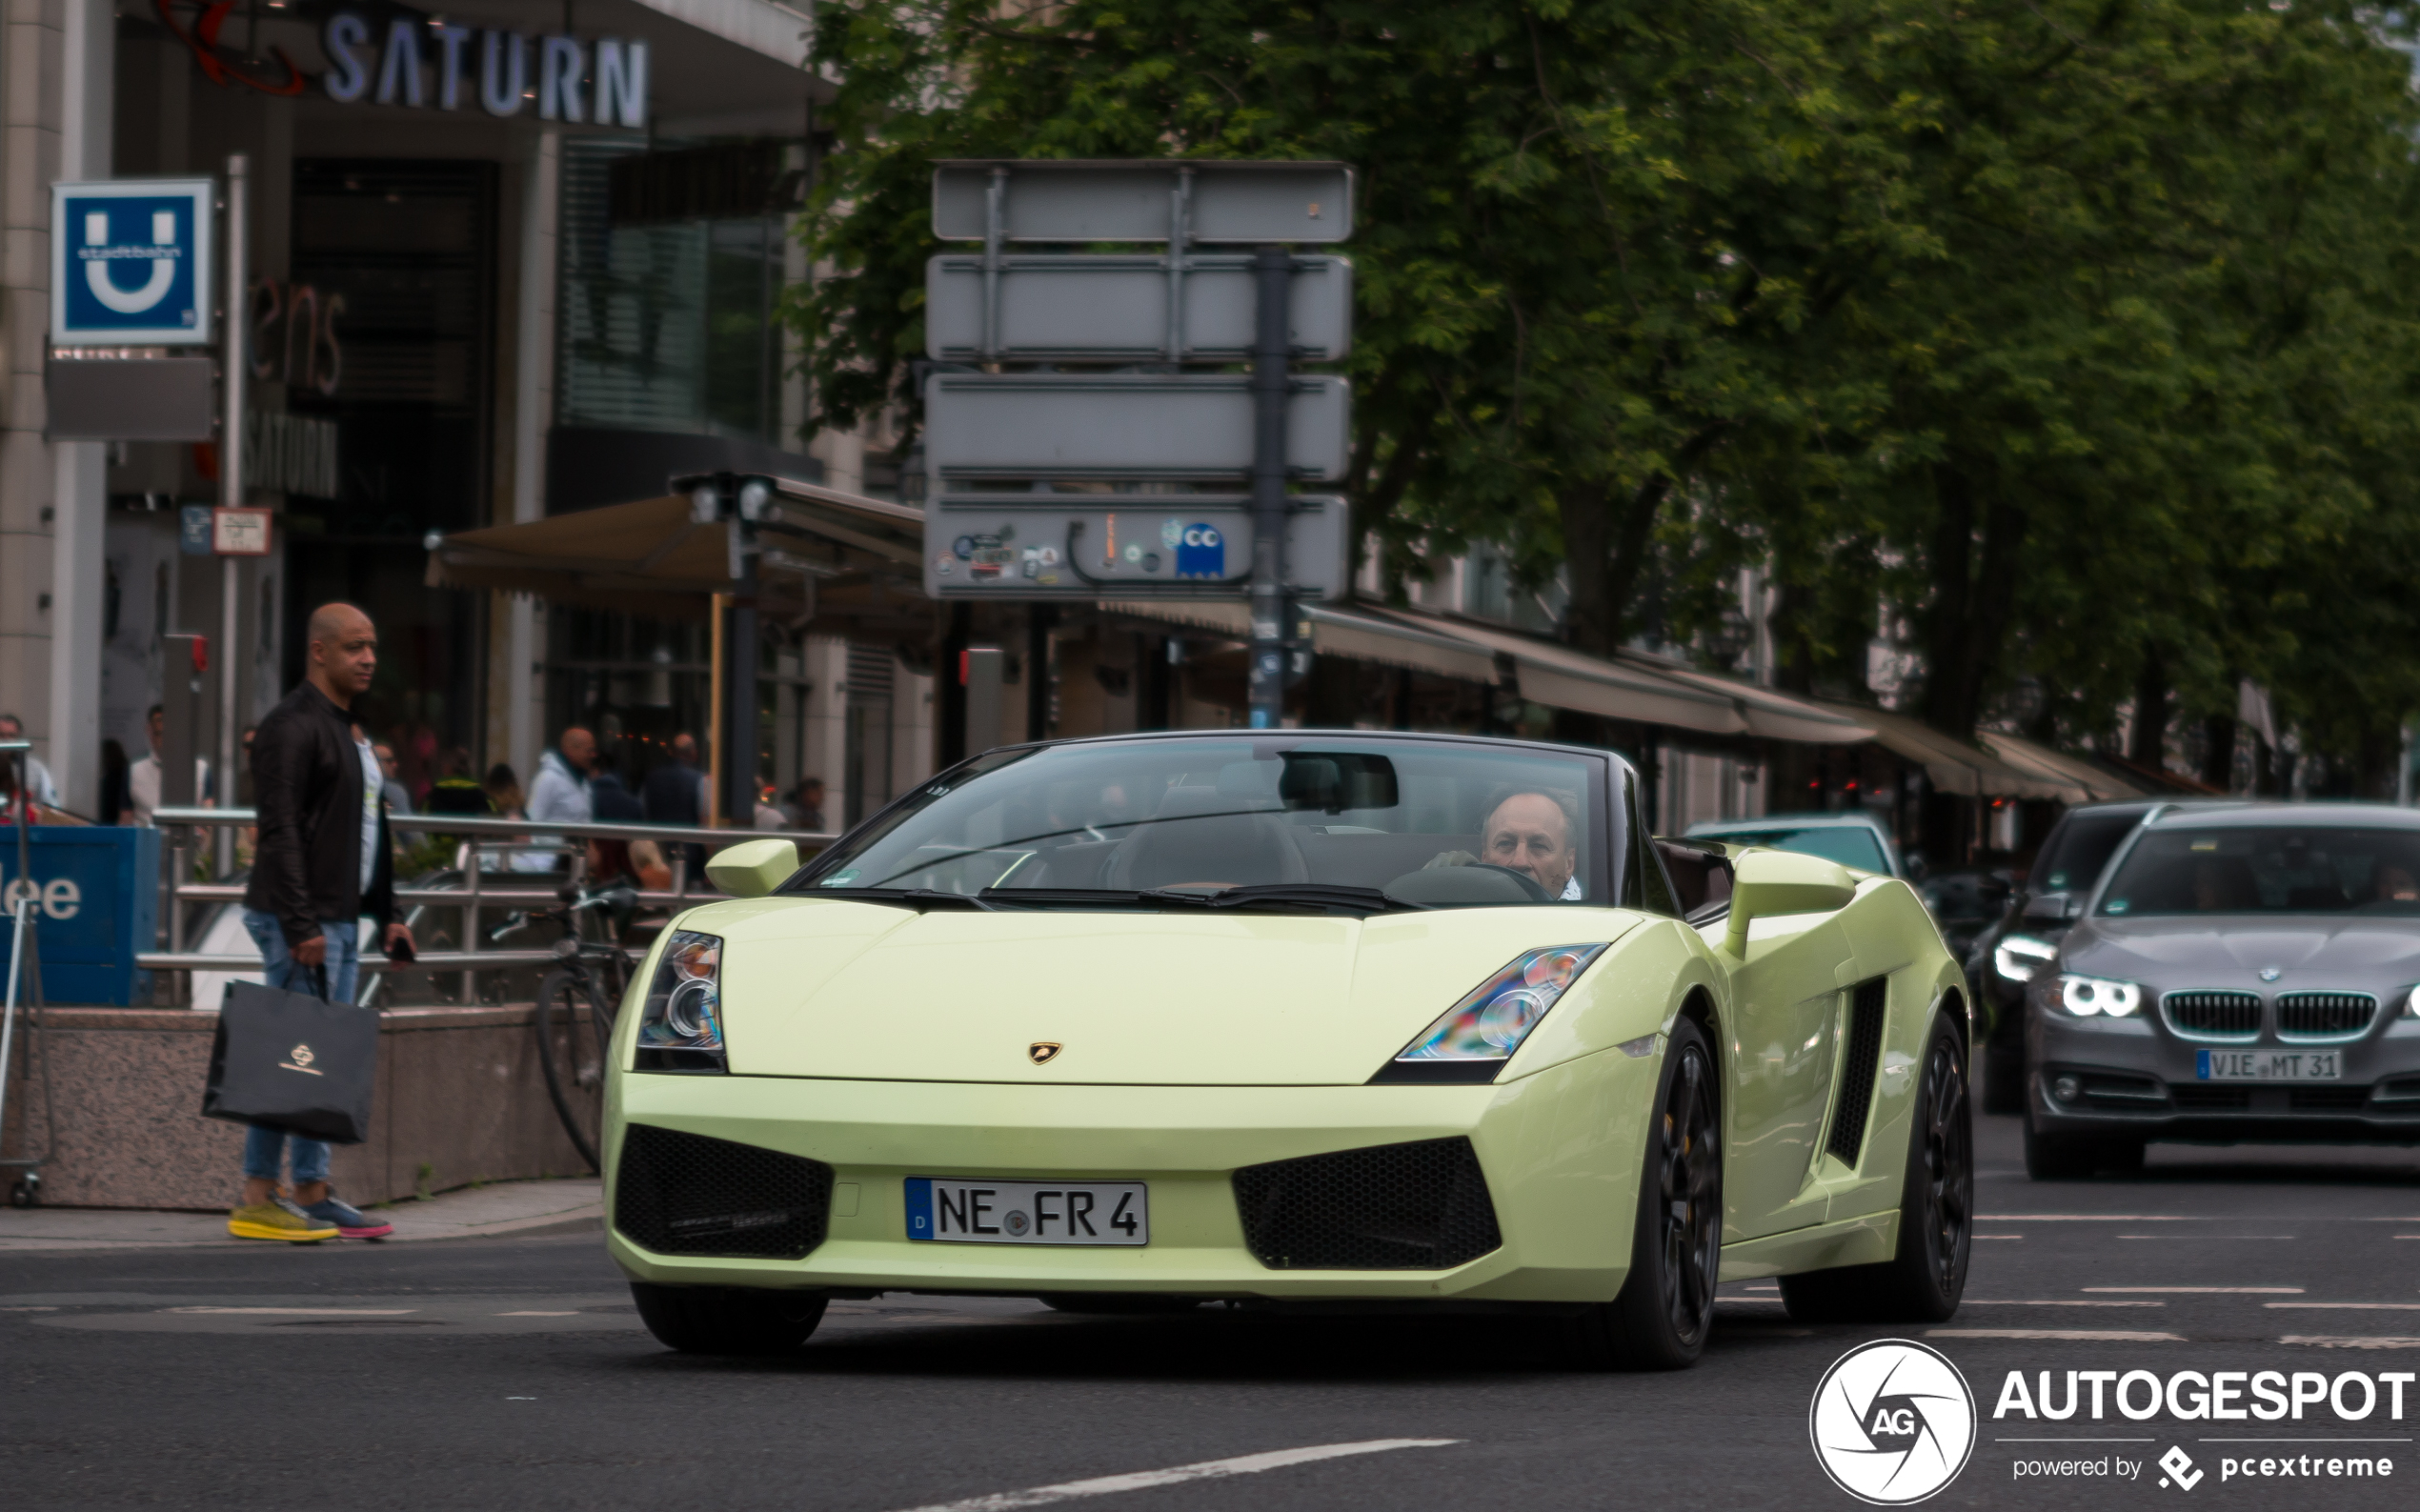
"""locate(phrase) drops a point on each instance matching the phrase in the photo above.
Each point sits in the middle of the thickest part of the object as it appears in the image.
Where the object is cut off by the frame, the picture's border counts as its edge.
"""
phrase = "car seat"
(1201, 835)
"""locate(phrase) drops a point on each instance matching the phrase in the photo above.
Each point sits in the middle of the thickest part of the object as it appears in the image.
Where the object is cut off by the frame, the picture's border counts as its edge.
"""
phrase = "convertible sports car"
(2237, 972)
(1291, 1019)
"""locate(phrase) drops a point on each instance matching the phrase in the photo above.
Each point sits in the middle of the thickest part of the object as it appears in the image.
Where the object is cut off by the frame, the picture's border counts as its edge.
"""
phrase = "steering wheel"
(1528, 883)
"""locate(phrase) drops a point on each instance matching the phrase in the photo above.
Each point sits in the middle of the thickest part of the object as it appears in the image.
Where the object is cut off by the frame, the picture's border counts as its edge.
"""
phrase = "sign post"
(230, 492)
(1005, 445)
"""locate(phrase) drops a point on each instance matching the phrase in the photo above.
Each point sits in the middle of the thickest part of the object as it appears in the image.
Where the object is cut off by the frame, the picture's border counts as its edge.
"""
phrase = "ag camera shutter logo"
(130, 262)
(1892, 1422)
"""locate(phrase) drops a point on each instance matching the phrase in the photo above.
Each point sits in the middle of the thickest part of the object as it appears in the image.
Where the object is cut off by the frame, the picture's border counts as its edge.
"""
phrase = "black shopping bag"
(288, 1060)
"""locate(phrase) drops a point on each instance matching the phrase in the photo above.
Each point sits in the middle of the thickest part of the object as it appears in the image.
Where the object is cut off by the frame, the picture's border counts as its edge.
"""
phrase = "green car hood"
(830, 988)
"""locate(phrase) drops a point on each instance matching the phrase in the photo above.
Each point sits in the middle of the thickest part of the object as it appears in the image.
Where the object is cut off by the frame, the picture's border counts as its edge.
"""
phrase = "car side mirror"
(752, 868)
(2054, 908)
(1772, 882)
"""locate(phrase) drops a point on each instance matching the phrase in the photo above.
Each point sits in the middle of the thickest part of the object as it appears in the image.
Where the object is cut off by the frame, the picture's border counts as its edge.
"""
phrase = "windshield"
(2269, 871)
(2085, 843)
(1429, 824)
(1850, 845)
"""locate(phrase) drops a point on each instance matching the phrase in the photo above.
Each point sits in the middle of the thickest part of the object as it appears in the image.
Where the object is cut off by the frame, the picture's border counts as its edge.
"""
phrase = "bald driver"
(1531, 833)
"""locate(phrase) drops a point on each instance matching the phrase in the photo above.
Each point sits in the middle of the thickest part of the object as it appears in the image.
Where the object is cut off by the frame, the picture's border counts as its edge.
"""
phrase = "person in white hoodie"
(558, 794)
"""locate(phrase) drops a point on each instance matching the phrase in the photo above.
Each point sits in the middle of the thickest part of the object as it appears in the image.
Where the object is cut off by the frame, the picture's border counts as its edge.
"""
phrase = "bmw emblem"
(2270, 973)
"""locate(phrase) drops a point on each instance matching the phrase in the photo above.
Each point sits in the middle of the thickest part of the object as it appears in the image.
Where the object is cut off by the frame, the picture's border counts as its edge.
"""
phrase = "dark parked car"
(2239, 973)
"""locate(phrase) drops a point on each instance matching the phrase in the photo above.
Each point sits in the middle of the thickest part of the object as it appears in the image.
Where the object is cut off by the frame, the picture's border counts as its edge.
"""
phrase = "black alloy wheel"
(1925, 1281)
(1665, 1310)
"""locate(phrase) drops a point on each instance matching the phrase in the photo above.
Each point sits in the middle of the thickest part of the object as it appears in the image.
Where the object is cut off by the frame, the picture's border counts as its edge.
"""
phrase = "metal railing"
(482, 837)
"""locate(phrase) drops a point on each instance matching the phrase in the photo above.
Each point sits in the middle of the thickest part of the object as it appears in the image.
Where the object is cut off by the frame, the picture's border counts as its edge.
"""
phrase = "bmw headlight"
(2018, 957)
(2087, 996)
(2412, 1003)
(680, 1025)
(1479, 1034)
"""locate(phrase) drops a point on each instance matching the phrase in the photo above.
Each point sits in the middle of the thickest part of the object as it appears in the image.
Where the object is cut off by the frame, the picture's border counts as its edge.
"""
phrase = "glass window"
(2269, 871)
(1850, 844)
(2085, 843)
(1430, 823)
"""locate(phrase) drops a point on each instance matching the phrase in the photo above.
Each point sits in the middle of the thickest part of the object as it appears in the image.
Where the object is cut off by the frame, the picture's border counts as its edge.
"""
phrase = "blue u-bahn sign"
(130, 262)
(95, 892)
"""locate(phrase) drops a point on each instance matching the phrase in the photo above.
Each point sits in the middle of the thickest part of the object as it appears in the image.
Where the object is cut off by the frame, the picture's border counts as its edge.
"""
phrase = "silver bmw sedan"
(2245, 974)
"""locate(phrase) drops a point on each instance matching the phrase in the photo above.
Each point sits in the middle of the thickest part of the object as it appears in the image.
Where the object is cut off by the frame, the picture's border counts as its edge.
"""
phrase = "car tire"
(1118, 1304)
(727, 1320)
(1925, 1281)
(1666, 1310)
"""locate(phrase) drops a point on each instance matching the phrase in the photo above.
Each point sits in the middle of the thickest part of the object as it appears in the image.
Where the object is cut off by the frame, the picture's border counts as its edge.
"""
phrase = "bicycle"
(572, 1048)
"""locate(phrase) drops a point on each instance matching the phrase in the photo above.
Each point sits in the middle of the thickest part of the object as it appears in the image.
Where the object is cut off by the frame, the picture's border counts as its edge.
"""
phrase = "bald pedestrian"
(323, 861)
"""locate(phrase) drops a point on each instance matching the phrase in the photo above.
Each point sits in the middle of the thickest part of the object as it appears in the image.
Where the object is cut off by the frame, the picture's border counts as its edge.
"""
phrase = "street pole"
(1272, 615)
(739, 662)
(231, 489)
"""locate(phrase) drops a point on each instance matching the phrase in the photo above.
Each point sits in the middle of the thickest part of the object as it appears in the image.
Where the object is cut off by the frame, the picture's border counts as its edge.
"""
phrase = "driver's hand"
(400, 931)
(1451, 859)
(312, 952)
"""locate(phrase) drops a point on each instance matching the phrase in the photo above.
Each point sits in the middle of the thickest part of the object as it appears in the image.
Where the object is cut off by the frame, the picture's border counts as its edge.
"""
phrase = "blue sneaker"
(351, 1222)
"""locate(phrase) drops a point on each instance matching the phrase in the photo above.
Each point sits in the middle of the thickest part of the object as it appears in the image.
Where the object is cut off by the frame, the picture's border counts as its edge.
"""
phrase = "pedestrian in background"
(143, 778)
(324, 862)
(673, 792)
(559, 792)
(37, 777)
(398, 799)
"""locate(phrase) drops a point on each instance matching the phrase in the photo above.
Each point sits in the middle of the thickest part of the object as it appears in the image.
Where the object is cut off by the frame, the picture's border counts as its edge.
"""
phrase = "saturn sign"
(130, 262)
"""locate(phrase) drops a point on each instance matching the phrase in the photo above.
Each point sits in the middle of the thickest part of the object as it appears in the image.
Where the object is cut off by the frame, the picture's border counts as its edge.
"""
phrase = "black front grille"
(685, 1194)
(2324, 1013)
(1421, 1206)
(1865, 1013)
(2211, 1100)
(2234, 1014)
(2327, 1099)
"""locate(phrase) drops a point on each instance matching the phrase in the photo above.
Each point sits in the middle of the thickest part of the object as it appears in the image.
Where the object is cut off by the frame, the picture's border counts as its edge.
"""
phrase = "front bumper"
(1560, 1151)
(2135, 1077)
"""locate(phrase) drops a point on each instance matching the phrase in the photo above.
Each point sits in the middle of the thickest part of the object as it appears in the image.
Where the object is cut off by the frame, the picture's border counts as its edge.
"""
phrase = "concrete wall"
(460, 1099)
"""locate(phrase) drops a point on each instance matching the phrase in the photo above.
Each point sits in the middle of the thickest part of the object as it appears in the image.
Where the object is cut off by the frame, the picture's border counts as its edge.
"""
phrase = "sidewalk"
(506, 1207)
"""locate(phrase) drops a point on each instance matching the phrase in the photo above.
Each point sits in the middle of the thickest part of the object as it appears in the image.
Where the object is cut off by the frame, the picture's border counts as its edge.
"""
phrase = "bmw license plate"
(2270, 1066)
(1028, 1212)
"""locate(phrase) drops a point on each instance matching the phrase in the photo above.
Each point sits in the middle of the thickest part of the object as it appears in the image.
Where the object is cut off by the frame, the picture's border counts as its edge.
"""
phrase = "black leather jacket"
(307, 791)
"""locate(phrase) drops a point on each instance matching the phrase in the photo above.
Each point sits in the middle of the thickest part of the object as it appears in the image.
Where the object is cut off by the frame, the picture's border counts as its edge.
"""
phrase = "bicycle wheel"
(572, 1029)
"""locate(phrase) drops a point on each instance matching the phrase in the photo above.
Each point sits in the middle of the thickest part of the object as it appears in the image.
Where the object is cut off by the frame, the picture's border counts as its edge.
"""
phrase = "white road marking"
(2199, 1238)
(301, 1312)
(2115, 1336)
(535, 1315)
(2301, 1441)
(1206, 1470)
(2055, 1301)
(2021, 1236)
(2352, 1307)
(2072, 1440)
(2206, 1291)
(2088, 1218)
(2350, 1342)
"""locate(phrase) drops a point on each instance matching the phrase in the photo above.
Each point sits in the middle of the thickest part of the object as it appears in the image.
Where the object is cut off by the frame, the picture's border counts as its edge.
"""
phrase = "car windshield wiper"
(923, 899)
(1288, 897)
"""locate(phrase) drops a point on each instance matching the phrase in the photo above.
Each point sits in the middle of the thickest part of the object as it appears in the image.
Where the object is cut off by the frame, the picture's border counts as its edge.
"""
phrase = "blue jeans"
(265, 1149)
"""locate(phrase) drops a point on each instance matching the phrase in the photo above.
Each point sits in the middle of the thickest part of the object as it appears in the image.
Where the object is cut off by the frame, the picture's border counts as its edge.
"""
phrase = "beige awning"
(2088, 782)
(1769, 713)
(1561, 677)
(822, 549)
(1952, 765)
(1334, 633)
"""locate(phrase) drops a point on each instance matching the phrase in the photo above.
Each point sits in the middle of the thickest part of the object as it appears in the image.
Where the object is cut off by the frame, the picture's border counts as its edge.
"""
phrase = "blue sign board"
(96, 891)
(130, 262)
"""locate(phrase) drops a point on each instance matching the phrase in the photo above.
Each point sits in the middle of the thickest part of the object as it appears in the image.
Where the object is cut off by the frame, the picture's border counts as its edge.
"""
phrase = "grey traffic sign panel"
(1076, 200)
(1125, 425)
(1108, 308)
(1020, 546)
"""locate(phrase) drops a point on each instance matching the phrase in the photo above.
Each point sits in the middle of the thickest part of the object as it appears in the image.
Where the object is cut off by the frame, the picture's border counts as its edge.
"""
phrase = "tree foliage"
(2078, 335)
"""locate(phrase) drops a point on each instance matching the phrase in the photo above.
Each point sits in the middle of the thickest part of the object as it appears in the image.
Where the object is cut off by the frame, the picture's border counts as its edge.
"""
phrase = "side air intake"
(1866, 1011)
(1419, 1206)
(685, 1194)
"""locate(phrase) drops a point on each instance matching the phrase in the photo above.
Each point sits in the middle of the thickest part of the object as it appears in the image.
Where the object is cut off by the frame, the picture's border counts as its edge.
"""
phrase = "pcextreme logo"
(1892, 1422)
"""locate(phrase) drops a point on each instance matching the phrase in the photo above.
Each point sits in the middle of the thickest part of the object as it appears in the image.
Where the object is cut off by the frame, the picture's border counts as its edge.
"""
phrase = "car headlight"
(680, 1026)
(2018, 957)
(1480, 1032)
(2087, 996)
(2412, 1003)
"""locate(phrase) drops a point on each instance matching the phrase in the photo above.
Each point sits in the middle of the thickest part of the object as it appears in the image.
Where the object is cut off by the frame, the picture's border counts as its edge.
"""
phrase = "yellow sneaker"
(279, 1218)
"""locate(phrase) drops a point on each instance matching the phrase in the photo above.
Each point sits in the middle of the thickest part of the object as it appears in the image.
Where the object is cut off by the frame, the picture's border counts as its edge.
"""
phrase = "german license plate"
(957, 1212)
(2269, 1065)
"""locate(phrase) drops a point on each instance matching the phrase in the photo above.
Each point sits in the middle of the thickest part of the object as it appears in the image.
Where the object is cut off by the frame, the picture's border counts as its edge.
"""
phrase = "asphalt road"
(512, 1374)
